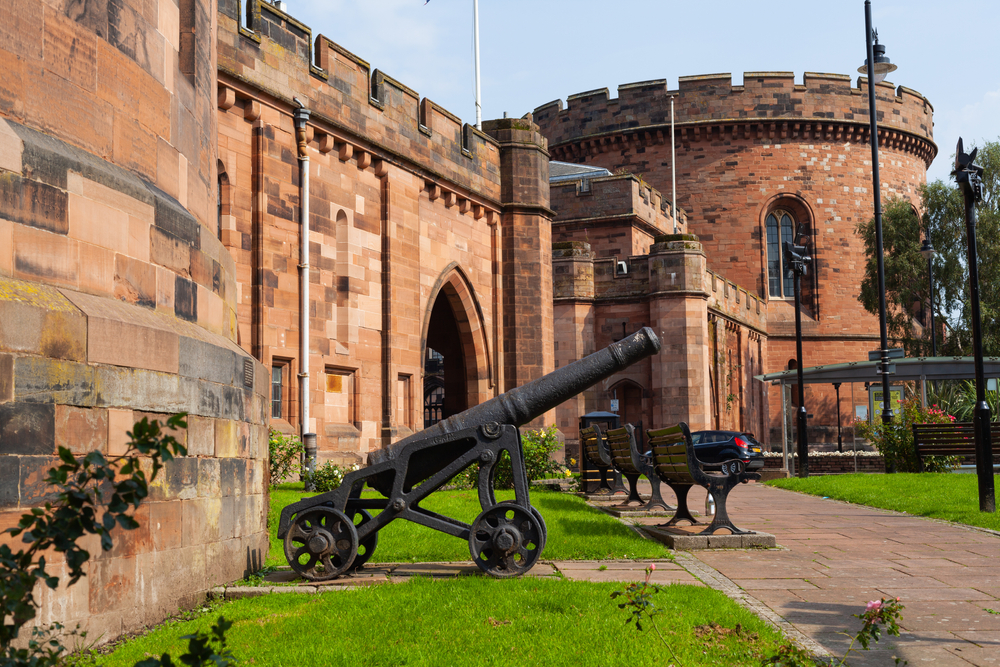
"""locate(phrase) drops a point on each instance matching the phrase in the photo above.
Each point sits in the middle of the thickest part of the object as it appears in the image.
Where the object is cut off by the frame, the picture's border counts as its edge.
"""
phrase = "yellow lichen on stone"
(34, 294)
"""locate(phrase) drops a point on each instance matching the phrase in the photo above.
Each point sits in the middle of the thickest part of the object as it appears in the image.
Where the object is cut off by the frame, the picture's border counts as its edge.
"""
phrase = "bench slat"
(593, 447)
(620, 447)
(670, 455)
(955, 439)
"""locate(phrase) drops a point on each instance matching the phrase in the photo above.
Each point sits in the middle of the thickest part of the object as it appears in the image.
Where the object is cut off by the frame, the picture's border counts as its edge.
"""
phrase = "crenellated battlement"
(352, 105)
(768, 105)
(615, 196)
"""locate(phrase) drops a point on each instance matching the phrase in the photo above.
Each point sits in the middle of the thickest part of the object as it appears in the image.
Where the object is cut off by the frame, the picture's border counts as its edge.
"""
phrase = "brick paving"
(834, 557)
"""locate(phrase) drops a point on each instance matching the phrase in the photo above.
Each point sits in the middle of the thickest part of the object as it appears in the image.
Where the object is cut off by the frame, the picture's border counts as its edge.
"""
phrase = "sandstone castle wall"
(409, 208)
(118, 301)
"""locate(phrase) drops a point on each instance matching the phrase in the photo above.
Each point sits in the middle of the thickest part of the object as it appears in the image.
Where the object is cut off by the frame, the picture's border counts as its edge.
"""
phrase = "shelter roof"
(920, 368)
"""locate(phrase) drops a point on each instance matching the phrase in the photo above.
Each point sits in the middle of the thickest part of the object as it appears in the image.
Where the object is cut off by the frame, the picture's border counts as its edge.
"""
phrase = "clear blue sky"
(534, 52)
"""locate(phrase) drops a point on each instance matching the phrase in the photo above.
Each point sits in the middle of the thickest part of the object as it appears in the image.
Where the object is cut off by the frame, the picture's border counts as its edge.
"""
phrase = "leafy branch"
(94, 494)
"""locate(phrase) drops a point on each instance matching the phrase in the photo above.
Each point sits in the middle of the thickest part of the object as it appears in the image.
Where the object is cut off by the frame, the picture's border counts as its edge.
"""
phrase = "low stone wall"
(205, 521)
(832, 463)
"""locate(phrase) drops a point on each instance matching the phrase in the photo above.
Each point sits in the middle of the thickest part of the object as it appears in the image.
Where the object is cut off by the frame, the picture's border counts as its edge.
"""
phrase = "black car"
(719, 446)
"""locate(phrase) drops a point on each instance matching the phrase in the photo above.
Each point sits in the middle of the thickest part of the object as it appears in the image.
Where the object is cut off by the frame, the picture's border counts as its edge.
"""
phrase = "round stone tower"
(117, 299)
(755, 161)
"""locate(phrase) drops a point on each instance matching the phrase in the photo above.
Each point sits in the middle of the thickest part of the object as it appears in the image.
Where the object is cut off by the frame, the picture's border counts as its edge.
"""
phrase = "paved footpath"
(834, 557)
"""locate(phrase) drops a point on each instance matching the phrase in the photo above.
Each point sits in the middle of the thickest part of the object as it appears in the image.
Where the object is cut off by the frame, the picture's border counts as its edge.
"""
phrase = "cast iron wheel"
(367, 547)
(538, 515)
(506, 540)
(321, 543)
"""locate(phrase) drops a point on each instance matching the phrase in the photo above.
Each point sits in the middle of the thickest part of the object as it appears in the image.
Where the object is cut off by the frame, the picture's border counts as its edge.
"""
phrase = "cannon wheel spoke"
(329, 540)
(506, 540)
(367, 547)
(538, 516)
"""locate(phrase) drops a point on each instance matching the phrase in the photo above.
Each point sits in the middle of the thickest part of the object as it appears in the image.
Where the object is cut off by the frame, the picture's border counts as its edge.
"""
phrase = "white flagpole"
(475, 39)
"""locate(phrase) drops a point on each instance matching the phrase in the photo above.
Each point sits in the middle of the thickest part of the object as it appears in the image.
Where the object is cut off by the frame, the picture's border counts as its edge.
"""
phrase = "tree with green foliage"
(907, 290)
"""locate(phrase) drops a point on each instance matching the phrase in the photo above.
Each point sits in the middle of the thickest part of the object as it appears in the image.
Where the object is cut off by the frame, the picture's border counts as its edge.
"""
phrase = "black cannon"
(333, 533)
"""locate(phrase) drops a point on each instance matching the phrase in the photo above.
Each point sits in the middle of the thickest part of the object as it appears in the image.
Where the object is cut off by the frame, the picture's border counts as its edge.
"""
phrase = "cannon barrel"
(522, 404)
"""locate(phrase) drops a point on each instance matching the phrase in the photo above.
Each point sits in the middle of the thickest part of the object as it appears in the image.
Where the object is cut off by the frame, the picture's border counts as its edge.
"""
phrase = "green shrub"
(538, 446)
(284, 456)
(328, 476)
(958, 397)
(894, 441)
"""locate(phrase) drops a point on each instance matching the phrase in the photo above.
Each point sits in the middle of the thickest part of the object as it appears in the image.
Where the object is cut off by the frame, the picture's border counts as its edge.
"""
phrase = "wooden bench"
(627, 460)
(594, 455)
(955, 439)
(675, 462)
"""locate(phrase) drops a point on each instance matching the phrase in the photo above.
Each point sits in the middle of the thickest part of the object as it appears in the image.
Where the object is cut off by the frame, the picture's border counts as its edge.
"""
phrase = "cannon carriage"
(333, 533)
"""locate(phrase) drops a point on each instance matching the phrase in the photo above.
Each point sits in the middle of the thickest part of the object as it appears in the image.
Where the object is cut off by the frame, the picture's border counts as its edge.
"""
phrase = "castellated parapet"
(354, 109)
(768, 105)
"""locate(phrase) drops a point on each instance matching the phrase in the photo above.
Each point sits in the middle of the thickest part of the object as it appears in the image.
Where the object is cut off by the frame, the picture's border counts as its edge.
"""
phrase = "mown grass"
(950, 496)
(575, 530)
(473, 621)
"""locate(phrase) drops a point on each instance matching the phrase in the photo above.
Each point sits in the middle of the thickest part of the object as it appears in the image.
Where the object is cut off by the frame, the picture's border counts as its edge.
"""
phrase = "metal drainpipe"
(308, 438)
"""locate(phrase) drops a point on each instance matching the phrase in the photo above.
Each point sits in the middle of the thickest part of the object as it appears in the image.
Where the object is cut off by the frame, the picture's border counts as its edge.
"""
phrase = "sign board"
(894, 353)
(614, 405)
(875, 400)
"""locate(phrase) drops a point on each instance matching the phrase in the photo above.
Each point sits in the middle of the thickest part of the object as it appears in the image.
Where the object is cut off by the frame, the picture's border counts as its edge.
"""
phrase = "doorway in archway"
(630, 409)
(445, 374)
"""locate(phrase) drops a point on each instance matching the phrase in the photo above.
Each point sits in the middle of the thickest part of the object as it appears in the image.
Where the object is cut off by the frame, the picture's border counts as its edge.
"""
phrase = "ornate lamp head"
(967, 173)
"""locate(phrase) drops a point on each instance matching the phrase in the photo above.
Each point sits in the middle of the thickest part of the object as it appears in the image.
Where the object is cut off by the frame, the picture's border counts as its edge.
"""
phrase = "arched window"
(780, 228)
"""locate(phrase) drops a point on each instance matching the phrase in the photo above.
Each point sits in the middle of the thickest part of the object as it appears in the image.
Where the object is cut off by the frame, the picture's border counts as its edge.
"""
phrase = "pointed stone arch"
(453, 320)
(633, 404)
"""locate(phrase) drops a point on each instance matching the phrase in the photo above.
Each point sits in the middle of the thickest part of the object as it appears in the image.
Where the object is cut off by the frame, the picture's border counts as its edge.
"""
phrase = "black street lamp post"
(797, 261)
(876, 67)
(927, 250)
(969, 177)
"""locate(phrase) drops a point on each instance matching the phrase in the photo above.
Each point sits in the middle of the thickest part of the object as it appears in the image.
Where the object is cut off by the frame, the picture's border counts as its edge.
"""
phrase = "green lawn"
(948, 496)
(473, 621)
(575, 530)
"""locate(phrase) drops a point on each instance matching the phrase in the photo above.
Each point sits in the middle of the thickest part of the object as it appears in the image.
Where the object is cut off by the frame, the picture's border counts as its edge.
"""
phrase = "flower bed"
(832, 463)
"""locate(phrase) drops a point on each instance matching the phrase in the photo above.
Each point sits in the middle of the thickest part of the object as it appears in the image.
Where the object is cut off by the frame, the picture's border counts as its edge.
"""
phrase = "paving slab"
(834, 557)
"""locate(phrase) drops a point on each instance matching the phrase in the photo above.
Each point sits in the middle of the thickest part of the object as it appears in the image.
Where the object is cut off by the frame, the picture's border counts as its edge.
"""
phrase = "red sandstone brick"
(45, 257)
(11, 83)
(120, 422)
(97, 269)
(81, 430)
(70, 50)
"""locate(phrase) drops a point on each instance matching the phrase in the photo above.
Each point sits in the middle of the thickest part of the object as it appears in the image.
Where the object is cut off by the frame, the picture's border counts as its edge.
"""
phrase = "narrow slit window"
(278, 372)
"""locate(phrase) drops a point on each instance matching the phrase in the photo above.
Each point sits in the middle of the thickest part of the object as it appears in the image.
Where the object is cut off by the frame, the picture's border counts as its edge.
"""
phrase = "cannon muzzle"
(523, 404)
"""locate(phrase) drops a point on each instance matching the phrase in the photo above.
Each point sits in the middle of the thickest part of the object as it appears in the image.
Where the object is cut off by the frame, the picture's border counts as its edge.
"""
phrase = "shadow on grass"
(556, 501)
